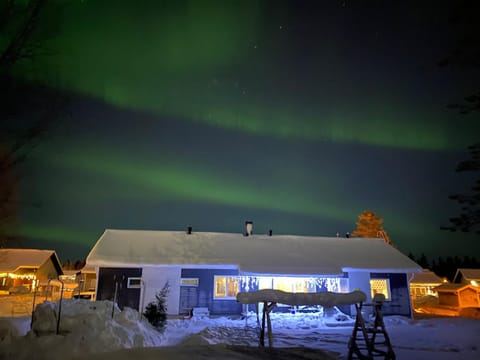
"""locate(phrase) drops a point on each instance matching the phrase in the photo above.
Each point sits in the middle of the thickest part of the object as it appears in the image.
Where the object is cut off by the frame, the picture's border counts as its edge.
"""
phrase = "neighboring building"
(19, 268)
(207, 270)
(87, 278)
(70, 283)
(458, 295)
(467, 276)
(463, 292)
(424, 284)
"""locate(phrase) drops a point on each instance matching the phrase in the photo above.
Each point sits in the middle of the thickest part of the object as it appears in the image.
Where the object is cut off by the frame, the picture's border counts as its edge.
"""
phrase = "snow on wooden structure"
(270, 298)
(326, 299)
(374, 336)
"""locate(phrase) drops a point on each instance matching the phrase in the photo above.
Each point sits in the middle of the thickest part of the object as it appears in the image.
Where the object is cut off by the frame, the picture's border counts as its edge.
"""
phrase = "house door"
(188, 299)
(121, 284)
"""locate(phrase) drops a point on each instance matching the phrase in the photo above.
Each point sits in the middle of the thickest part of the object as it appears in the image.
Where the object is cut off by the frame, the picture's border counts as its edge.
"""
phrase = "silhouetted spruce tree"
(156, 311)
(423, 262)
(469, 217)
(68, 265)
(465, 55)
(28, 108)
(79, 264)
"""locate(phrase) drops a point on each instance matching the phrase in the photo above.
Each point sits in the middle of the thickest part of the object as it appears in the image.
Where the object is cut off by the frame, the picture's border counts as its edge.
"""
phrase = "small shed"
(87, 278)
(424, 284)
(458, 295)
(19, 268)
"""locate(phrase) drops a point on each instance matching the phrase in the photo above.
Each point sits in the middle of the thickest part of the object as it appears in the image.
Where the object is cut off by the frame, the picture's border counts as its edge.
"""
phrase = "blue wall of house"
(202, 296)
(400, 298)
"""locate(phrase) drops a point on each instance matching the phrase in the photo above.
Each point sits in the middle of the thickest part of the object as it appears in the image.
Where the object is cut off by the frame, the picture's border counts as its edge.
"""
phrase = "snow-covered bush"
(156, 311)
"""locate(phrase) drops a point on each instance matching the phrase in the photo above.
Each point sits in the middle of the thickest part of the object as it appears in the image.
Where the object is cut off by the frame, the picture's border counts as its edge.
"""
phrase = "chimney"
(248, 228)
(189, 230)
(270, 232)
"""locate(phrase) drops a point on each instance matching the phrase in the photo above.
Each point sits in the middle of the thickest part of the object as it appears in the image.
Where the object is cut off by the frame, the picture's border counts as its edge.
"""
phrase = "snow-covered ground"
(87, 331)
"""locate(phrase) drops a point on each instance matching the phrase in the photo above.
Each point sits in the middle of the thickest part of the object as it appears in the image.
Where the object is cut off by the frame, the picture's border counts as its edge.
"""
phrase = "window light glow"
(227, 287)
(380, 286)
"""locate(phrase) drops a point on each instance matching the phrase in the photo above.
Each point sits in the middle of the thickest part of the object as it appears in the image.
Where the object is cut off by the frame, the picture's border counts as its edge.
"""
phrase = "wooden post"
(269, 323)
(262, 330)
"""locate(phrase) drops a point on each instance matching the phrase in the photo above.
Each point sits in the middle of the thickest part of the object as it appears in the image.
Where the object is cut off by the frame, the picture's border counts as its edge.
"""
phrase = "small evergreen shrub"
(156, 311)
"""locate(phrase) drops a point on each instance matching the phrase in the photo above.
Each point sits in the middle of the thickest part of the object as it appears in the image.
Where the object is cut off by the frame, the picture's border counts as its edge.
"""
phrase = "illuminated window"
(380, 286)
(303, 285)
(296, 285)
(265, 283)
(284, 284)
(226, 287)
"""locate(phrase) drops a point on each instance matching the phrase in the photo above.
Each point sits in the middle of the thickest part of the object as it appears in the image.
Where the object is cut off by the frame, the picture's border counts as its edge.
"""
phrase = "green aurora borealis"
(296, 115)
(227, 65)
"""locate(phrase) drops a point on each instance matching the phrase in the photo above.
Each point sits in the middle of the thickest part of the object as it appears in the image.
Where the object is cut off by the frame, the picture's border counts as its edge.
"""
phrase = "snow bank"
(86, 327)
(88, 332)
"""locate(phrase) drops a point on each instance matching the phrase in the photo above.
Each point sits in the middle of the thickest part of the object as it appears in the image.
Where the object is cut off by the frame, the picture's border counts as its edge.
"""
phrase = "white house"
(207, 269)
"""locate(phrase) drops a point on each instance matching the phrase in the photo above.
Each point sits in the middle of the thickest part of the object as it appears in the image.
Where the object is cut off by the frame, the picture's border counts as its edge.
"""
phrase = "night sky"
(297, 115)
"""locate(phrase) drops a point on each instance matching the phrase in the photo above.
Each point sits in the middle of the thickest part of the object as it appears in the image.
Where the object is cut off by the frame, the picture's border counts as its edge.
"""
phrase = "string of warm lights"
(19, 276)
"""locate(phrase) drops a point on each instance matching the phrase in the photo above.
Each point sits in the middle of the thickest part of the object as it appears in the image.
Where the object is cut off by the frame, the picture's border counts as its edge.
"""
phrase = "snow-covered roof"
(12, 259)
(426, 277)
(257, 254)
(468, 274)
(87, 269)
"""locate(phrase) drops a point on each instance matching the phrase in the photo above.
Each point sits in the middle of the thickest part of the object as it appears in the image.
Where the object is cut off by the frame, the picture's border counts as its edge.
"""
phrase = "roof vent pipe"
(189, 230)
(248, 228)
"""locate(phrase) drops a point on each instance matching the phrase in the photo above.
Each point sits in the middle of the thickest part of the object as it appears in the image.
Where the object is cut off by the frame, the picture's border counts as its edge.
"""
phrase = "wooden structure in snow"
(375, 338)
(270, 298)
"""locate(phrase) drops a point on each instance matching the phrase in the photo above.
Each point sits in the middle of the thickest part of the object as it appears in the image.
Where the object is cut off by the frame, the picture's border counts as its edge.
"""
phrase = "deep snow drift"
(87, 331)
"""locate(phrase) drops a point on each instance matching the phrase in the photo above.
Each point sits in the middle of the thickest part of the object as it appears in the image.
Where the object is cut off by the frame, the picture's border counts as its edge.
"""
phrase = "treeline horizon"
(70, 265)
(446, 266)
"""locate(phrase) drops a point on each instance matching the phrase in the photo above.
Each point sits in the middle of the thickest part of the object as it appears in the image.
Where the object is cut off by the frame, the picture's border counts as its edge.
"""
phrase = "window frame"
(388, 297)
(226, 277)
(195, 282)
(134, 286)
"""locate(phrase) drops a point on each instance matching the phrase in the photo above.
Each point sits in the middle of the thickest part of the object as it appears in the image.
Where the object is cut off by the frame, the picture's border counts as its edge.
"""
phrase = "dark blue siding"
(202, 296)
(111, 278)
(400, 299)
